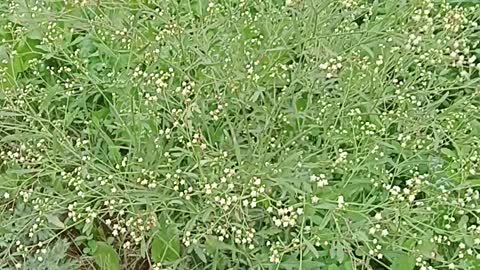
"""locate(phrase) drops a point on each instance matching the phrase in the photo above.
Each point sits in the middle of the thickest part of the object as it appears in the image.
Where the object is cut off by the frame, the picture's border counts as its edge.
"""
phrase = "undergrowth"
(239, 134)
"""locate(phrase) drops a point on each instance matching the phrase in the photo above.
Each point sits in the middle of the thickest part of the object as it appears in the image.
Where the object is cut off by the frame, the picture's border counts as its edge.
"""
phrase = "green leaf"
(271, 231)
(347, 265)
(426, 248)
(447, 152)
(54, 220)
(403, 262)
(327, 206)
(361, 235)
(106, 257)
(166, 245)
(212, 245)
(301, 104)
(92, 245)
(340, 254)
(462, 224)
(333, 267)
(200, 254)
(311, 248)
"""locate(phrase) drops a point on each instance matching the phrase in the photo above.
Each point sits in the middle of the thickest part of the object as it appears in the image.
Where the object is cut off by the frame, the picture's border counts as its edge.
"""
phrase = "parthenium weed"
(336, 134)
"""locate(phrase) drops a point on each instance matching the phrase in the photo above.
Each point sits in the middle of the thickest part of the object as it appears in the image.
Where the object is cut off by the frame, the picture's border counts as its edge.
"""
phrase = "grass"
(239, 134)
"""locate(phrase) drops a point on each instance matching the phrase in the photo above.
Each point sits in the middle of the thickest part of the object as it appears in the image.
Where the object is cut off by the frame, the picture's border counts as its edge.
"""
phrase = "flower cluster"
(340, 133)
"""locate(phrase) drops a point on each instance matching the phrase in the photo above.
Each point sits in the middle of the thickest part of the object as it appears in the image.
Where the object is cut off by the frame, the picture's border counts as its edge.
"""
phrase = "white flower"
(278, 222)
(6, 195)
(472, 59)
(341, 202)
(322, 183)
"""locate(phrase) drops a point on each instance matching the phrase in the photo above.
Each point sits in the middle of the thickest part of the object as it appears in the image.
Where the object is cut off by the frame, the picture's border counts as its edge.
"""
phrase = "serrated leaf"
(106, 257)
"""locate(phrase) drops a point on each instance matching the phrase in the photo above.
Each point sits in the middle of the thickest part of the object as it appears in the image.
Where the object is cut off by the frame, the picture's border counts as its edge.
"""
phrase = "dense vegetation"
(239, 134)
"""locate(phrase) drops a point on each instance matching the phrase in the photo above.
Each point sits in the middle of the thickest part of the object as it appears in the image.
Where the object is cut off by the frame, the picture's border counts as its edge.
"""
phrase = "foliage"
(106, 257)
(239, 134)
